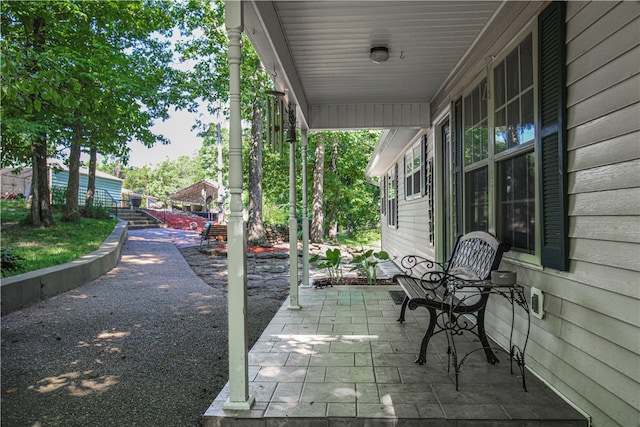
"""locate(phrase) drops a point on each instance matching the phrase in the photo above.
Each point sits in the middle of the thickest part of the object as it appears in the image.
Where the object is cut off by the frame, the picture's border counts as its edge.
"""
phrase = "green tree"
(36, 91)
(353, 202)
(82, 75)
(207, 156)
(210, 83)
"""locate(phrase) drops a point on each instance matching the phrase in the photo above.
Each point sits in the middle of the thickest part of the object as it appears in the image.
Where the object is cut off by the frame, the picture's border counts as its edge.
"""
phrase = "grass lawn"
(46, 247)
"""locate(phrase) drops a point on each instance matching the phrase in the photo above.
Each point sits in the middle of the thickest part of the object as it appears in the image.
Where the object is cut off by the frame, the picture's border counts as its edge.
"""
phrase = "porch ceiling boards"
(318, 53)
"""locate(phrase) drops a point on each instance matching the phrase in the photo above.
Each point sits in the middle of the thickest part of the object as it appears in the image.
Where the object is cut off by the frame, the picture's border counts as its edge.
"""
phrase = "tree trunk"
(71, 208)
(255, 227)
(91, 182)
(40, 213)
(317, 215)
(333, 220)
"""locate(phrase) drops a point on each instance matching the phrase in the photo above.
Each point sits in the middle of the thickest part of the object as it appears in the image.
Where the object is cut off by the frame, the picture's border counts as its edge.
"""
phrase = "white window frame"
(494, 158)
(413, 172)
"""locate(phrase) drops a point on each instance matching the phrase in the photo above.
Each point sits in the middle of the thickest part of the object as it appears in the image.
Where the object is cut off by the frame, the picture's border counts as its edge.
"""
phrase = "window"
(392, 197)
(413, 172)
(476, 126)
(477, 200)
(476, 152)
(509, 146)
(516, 212)
(514, 135)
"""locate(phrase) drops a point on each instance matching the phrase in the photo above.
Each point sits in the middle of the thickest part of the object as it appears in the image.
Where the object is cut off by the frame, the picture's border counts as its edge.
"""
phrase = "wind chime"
(275, 121)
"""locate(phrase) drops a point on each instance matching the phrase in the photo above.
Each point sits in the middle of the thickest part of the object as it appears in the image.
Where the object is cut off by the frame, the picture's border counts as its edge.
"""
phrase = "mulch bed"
(178, 221)
(182, 221)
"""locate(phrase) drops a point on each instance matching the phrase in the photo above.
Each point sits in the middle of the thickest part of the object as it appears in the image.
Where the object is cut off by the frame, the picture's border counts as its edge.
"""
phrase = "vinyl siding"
(113, 186)
(587, 346)
(412, 233)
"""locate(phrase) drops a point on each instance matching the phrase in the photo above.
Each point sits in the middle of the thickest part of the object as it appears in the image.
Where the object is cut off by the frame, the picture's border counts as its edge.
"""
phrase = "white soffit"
(318, 51)
(391, 146)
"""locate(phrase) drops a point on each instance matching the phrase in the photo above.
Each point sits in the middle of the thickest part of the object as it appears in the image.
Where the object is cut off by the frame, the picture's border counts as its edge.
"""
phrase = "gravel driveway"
(143, 345)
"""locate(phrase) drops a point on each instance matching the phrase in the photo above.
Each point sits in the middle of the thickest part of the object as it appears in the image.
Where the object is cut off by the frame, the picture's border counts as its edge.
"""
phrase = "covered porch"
(338, 356)
(343, 359)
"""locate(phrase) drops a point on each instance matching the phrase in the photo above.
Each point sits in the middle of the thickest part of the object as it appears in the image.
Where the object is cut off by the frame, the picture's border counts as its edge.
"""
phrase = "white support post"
(239, 398)
(293, 221)
(305, 213)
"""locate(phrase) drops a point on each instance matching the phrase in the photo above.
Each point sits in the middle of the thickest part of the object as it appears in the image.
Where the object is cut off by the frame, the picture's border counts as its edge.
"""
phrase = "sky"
(184, 141)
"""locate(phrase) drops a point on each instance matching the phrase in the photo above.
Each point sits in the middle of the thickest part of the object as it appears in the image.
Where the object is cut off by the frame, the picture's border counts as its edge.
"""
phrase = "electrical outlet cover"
(537, 303)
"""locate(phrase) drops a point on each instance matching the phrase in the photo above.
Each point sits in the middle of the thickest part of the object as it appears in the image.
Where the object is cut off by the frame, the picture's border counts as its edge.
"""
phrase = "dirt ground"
(267, 281)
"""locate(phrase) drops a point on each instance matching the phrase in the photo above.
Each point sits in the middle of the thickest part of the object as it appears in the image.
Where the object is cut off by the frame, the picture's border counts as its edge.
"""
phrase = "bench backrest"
(475, 255)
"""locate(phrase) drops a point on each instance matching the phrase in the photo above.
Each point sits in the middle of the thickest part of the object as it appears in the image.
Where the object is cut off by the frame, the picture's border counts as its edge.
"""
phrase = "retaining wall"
(25, 289)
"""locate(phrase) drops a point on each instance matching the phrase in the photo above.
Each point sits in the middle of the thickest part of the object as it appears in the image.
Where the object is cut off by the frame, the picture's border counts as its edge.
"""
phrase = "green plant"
(366, 261)
(11, 263)
(332, 261)
(58, 196)
(97, 211)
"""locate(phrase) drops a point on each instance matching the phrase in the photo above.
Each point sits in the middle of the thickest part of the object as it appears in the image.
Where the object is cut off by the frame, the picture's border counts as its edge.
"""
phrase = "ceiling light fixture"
(379, 54)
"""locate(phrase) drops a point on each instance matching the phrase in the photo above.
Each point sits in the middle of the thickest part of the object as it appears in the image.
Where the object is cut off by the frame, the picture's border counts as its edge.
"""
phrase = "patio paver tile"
(341, 409)
(350, 374)
(387, 375)
(282, 374)
(287, 392)
(332, 359)
(331, 364)
(328, 392)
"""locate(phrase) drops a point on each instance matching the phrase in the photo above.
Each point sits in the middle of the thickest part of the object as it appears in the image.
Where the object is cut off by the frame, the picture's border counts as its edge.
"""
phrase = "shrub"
(11, 262)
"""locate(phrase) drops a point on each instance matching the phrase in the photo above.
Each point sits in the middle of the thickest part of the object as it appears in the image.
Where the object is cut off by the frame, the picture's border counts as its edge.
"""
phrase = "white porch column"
(293, 221)
(305, 213)
(239, 398)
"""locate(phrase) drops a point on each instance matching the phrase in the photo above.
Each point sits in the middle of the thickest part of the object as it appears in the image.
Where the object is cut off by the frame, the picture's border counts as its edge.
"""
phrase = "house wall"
(587, 346)
(113, 186)
(412, 232)
(15, 183)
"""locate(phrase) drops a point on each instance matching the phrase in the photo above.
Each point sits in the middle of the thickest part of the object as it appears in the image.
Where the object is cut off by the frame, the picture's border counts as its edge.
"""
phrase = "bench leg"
(422, 356)
(491, 357)
(403, 309)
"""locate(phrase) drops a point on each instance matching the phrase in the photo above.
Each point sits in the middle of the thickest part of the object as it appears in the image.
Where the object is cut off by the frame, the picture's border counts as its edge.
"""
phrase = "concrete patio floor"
(344, 360)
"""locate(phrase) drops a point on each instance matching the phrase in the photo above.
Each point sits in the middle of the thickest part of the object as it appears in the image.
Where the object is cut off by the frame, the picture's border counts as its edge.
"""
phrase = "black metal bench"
(213, 231)
(429, 284)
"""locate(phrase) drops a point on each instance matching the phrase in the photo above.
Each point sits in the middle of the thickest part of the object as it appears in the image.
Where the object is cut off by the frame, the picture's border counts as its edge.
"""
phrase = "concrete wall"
(22, 290)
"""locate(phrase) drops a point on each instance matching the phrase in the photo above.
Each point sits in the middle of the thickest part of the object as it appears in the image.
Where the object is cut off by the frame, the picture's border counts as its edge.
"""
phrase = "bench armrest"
(413, 264)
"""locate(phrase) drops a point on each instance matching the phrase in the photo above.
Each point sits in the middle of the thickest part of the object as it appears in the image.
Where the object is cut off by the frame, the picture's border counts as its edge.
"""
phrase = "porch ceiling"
(318, 51)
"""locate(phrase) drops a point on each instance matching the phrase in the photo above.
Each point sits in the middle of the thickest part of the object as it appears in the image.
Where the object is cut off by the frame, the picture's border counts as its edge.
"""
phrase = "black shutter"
(395, 207)
(552, 136)
(383, 195)
(457, 168)
(423, 166)
(405, 177)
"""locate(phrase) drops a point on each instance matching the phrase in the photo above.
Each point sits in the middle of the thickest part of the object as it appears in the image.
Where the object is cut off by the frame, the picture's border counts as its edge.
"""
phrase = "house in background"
(108, 187)
(519, 118)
